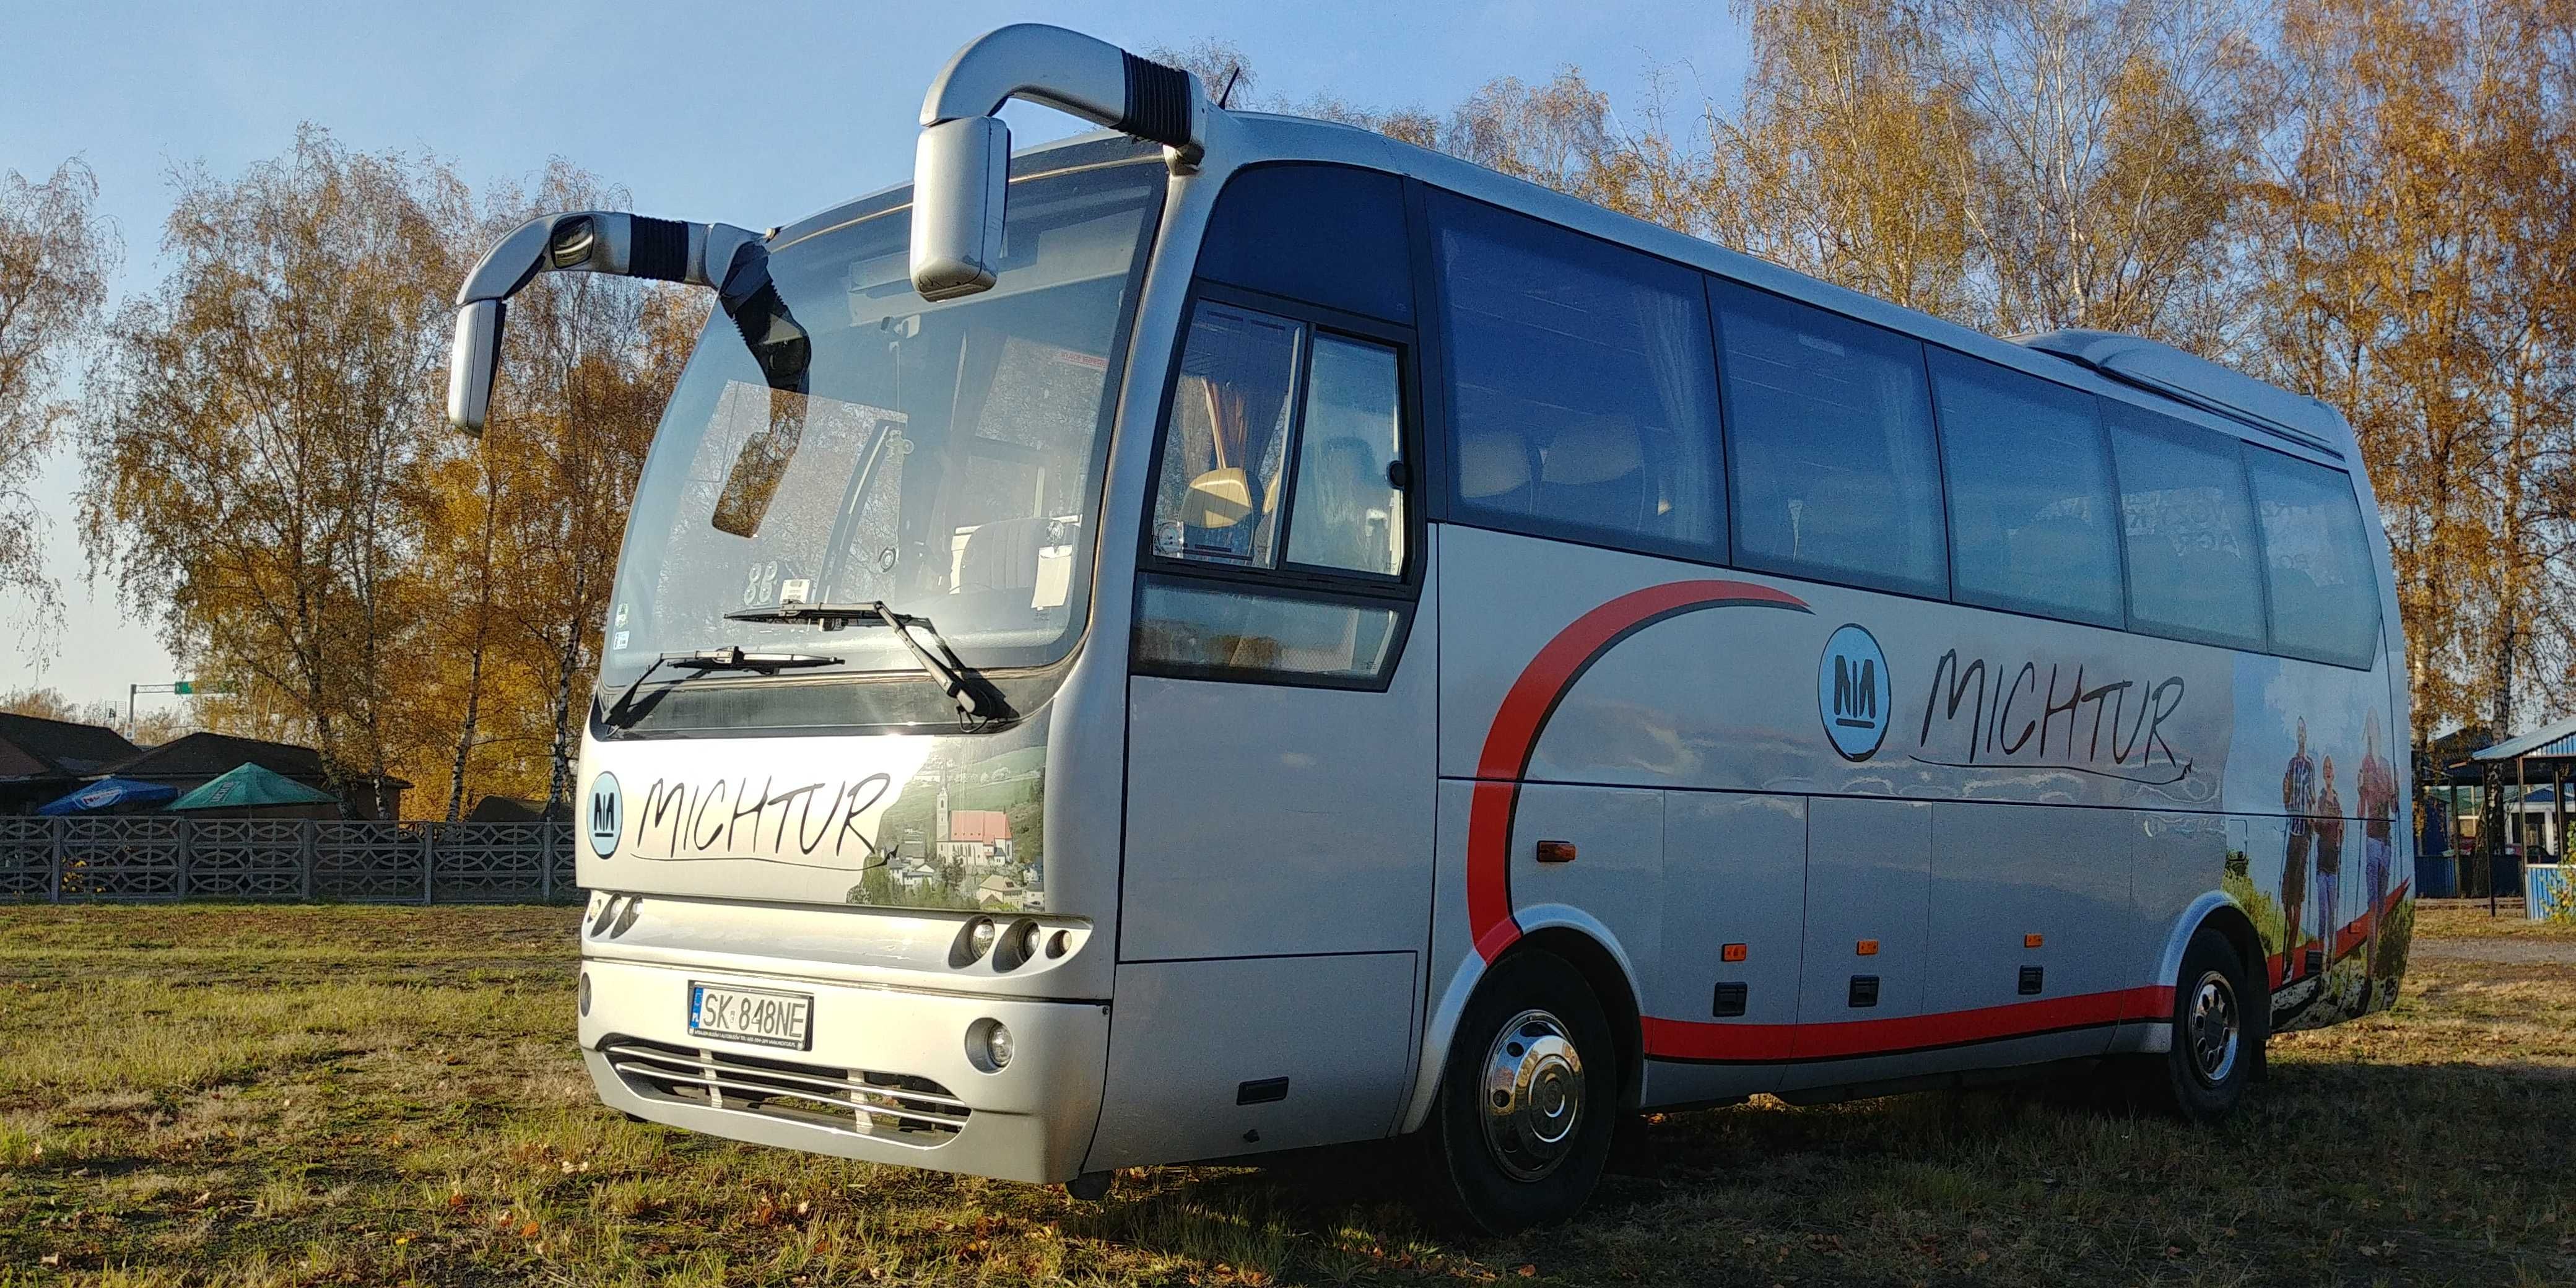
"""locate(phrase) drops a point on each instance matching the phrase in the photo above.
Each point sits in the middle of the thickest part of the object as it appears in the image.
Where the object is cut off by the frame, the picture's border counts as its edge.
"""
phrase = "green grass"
(288, 1096)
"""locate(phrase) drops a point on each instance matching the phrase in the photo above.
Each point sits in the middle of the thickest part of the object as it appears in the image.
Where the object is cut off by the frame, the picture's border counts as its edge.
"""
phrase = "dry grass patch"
(306, 1096)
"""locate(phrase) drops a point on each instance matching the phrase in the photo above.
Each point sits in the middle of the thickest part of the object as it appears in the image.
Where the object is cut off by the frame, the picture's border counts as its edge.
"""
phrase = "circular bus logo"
(607, 814)
(1852, 692)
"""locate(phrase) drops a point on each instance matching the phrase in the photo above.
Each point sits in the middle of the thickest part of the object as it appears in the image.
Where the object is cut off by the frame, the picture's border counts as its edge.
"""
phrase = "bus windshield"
(845, 441)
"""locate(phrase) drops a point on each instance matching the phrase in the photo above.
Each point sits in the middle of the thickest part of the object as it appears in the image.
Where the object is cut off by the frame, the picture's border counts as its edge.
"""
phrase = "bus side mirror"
(471, 364)
(961, 171)
(962, 165)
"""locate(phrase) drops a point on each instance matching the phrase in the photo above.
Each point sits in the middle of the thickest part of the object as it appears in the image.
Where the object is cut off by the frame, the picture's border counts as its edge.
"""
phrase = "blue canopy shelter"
(108, 794)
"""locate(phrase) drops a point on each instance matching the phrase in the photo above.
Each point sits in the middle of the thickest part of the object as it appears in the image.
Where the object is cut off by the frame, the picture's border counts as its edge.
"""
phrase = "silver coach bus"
(1236, 633)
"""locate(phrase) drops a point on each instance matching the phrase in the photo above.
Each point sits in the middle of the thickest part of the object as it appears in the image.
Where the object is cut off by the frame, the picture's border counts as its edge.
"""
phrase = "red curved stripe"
(1701, 1040)
(1523, 716)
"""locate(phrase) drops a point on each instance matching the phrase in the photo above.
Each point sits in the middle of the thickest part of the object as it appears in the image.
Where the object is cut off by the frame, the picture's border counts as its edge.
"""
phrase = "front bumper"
(899, 1055)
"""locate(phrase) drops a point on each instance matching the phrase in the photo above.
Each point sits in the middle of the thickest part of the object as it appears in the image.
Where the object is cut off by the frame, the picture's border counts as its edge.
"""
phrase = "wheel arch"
(2219, 911)
(1581, 941)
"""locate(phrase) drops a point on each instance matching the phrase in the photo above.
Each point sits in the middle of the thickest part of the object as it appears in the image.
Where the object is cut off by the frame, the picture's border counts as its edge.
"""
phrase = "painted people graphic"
(2336, 948)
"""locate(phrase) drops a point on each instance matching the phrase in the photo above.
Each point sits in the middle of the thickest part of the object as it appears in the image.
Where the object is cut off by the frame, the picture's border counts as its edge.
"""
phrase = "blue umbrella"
(107, 793)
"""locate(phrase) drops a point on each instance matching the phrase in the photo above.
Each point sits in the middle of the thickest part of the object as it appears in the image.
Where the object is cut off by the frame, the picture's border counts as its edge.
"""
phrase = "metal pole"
(186, 838)
(2558, 813)
(2451, 830)
(2521, 815)
(2490, 822)
(54, 860)
(428, 868)
(309, 851)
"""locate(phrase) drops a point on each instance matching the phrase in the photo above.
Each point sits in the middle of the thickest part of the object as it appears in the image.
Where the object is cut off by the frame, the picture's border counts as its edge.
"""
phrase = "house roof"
(2555, 739)
(989, 825)
(201, 757)
(509, 809)
(33, 746)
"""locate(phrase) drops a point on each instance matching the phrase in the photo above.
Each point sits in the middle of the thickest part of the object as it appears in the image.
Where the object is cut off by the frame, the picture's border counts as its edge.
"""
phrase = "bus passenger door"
(1276, 885)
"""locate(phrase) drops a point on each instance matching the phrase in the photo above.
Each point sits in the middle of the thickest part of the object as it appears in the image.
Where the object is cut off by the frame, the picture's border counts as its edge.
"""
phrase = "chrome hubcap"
(2211, 1028)
(1533, 1095)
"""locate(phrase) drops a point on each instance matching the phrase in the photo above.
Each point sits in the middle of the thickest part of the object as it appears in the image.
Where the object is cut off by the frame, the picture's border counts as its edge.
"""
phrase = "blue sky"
(702, 116)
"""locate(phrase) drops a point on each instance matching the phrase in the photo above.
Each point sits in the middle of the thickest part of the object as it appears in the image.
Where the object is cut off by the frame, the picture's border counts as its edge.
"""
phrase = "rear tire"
(1529, 1099)
(2217, 1044)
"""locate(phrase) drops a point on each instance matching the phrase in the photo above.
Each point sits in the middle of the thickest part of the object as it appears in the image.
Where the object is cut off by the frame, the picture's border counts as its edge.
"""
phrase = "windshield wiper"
(729, 658)
(976, 698)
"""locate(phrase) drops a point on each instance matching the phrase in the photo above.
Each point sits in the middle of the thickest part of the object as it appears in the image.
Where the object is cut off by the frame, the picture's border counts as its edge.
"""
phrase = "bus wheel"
(1529, 1100)
(2216, 1040)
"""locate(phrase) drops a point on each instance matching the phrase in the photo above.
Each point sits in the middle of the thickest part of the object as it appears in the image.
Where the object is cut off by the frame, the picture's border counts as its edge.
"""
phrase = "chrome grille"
(893, 1107)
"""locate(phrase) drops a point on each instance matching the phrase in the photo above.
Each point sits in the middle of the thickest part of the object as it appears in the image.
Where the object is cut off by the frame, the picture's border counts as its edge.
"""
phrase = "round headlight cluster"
(1010, 946)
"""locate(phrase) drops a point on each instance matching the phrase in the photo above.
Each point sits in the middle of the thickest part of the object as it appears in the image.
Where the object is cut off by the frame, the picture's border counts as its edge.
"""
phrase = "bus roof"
(2127, 366)
(2138, 370)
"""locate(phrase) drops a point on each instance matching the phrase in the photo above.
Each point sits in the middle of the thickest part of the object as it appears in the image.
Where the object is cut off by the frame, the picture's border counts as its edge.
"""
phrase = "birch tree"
(55, 254)
(251, 469)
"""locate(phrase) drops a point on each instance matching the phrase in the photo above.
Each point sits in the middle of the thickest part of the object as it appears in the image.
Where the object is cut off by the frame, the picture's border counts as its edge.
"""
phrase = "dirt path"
(2510, 952)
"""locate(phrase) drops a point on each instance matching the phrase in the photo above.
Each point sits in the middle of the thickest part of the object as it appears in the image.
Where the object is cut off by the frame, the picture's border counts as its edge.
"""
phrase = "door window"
(1350, 514)
(1279, 502)
(1218, 499)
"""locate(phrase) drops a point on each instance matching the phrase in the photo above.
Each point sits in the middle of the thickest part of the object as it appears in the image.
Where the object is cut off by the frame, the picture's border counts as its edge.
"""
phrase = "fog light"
(988, 1045)
(979, 939)
(582, 994)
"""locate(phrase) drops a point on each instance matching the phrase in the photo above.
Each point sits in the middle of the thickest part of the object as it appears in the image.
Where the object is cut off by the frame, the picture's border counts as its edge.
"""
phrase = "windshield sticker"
(680, 820)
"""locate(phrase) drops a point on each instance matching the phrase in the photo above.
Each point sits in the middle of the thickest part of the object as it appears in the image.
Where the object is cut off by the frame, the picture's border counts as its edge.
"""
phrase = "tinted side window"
(1833, 462)
(1582, 397)
(2190, 529)
(2325, 595)
(1327, 234)
(2031, 519)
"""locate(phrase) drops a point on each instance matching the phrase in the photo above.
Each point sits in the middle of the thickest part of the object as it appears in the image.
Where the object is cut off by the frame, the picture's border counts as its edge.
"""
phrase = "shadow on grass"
(2332, 1172)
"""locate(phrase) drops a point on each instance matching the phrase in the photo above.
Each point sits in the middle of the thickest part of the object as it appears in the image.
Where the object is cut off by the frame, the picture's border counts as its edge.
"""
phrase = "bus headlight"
(988, 1045)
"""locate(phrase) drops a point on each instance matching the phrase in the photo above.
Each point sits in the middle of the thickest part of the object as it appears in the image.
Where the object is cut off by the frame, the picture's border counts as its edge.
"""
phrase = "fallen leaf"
(1527, 1272)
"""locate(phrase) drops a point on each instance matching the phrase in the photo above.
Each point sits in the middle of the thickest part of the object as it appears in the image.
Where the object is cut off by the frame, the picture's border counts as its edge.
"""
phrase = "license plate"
(751, 1015)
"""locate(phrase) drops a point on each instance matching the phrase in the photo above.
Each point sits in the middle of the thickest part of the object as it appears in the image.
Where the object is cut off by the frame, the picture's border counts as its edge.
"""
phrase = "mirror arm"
(580, 241)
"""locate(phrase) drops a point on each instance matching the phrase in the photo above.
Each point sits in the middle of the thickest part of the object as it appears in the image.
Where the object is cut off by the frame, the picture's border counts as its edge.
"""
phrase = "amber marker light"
(2031, 941)
(1866, 948)
(1731, 953)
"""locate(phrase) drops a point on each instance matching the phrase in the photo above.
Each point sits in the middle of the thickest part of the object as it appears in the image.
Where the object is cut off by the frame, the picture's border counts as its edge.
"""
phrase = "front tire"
(1529, 1099)
(2217, 1036)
